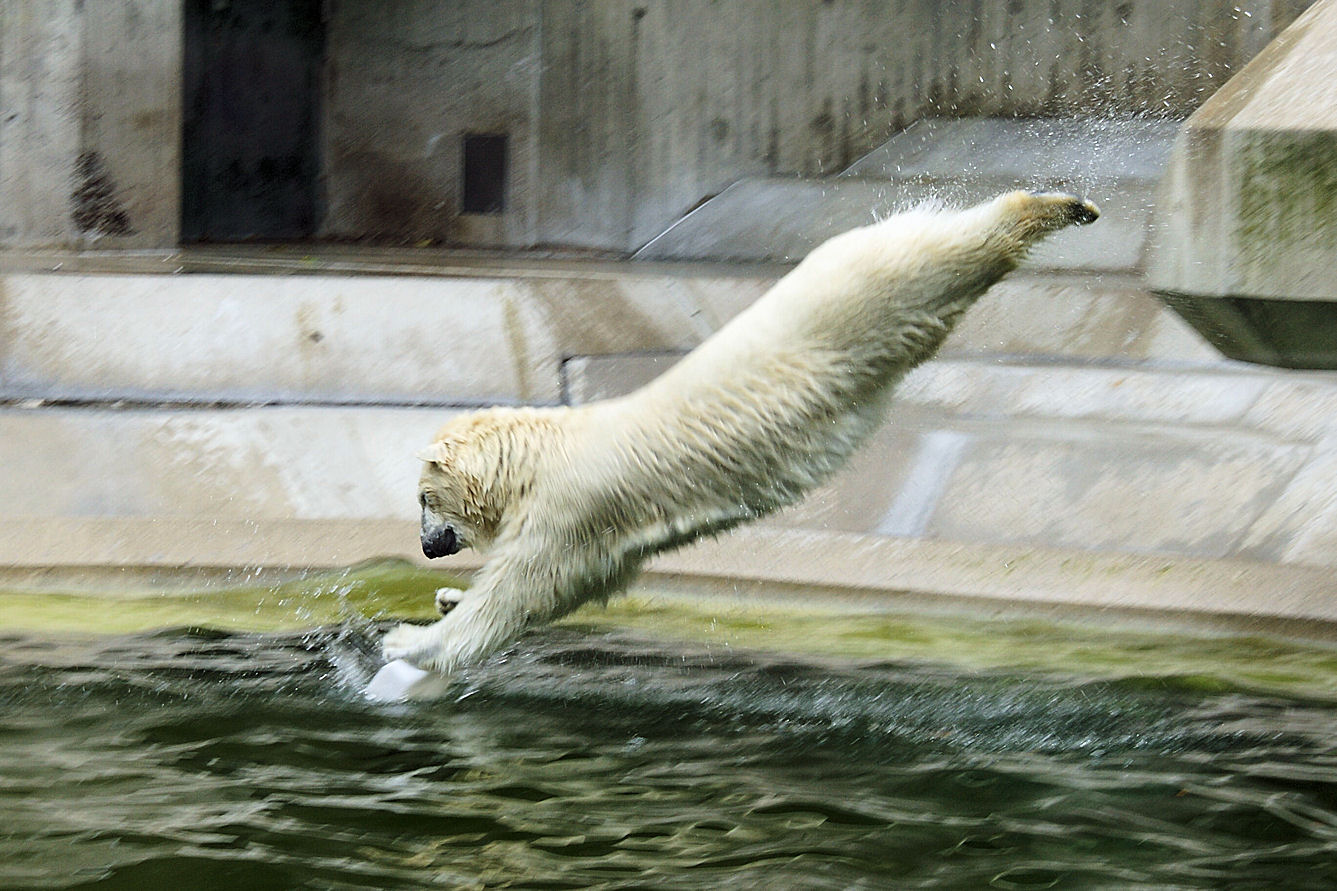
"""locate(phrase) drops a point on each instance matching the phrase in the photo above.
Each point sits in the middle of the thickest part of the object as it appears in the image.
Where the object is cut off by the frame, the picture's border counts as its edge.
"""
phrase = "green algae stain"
(1286, 224)
(1182, 660)
(1192, 662)
(379, 590)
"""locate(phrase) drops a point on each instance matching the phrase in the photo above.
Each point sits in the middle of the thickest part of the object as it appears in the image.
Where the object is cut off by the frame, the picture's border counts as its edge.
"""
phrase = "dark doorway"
(249, 147)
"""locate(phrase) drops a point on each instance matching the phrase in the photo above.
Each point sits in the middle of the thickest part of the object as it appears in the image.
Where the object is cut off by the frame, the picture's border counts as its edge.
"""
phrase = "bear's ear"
(433, 454)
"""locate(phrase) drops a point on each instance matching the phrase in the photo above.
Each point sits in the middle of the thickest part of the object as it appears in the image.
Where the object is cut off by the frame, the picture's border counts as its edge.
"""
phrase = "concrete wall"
(651, 107)
(406, 80)
(333, 339)
(90, 112)
(40, 52)
(621, 115)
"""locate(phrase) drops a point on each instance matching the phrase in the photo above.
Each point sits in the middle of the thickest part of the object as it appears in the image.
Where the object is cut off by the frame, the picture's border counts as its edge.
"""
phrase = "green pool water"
(219, 739)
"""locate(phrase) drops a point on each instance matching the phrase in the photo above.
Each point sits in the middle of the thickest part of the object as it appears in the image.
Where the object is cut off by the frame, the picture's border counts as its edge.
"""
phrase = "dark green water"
(606, 759)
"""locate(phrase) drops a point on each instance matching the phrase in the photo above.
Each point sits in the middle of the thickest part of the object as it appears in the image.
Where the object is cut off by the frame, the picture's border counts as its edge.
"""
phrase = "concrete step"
(1035, 317)
(1216, 462)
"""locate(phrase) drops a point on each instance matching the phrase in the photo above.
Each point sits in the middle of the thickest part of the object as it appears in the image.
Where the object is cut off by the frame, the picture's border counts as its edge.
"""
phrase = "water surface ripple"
(190, 759)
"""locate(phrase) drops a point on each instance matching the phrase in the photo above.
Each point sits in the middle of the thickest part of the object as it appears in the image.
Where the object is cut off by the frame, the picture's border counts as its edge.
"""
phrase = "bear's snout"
(440, 541)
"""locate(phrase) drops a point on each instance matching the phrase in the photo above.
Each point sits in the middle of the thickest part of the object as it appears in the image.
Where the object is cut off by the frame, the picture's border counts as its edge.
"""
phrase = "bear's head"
(470, 478)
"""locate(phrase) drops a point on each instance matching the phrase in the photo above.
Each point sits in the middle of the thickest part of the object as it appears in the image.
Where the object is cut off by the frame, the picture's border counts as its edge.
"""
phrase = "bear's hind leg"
(1037, 213)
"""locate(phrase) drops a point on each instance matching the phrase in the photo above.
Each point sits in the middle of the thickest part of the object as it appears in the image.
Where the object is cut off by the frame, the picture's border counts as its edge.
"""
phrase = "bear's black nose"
(440, 542)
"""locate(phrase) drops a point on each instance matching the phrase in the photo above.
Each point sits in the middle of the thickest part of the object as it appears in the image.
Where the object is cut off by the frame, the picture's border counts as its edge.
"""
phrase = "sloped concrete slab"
(1114, 161)
(781, 220)
(1041, 151)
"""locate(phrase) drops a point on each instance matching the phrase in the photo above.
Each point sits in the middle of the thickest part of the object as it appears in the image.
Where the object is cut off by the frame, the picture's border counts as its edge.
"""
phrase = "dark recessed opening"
(484, 174)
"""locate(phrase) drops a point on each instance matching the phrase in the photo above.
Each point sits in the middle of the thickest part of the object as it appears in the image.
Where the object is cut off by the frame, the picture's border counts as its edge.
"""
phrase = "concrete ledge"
(1032, 317)
(340, 339)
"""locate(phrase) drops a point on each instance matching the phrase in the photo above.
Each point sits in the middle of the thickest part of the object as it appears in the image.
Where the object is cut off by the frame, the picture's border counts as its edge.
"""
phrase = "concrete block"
(1248, 206)
(1246, 223)
(274, 338)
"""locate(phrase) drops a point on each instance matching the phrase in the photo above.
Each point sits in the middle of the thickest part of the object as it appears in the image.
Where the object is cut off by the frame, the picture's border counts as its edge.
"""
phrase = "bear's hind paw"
(1059, 208)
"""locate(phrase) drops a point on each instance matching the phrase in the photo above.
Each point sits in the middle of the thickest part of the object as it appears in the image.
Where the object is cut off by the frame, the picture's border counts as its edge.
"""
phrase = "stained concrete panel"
(1123, 493)
(130, 98)
(406, 81)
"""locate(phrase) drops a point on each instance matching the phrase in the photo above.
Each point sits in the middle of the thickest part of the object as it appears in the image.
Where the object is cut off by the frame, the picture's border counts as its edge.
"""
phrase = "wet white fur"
(568, 502)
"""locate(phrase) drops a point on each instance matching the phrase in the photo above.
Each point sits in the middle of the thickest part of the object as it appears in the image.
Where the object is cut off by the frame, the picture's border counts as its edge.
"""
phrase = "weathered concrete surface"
(1246, 221)
(40, 52)
(1216, 461)
(647, 109)
(1203, 460)
(408, 80)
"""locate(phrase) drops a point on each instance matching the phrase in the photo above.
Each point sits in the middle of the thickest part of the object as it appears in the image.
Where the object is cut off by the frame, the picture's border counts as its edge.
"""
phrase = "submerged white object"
(397, 680)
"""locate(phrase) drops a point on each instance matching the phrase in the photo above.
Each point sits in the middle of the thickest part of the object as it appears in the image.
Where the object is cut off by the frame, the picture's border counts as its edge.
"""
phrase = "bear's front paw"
(415, 644)
(447, 599)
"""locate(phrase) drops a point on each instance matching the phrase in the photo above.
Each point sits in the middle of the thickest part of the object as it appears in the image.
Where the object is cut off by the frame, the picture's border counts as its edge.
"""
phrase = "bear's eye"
(422, 500)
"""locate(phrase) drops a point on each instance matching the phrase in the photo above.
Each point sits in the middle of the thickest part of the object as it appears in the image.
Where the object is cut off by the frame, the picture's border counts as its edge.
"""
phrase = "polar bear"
(567, 503)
